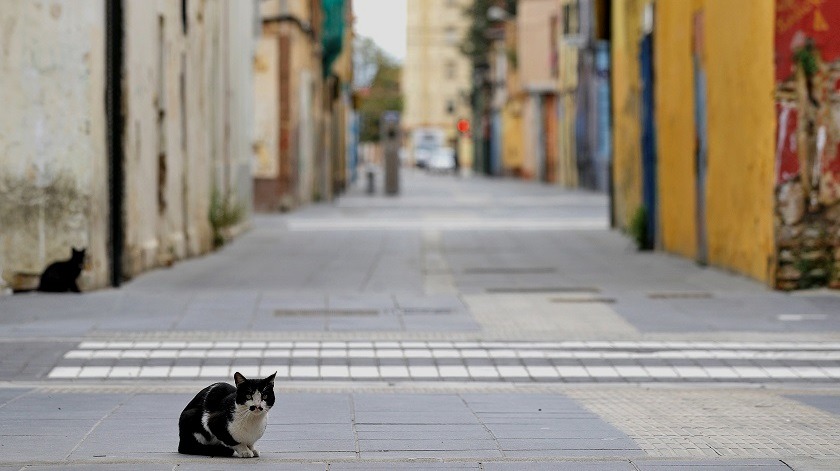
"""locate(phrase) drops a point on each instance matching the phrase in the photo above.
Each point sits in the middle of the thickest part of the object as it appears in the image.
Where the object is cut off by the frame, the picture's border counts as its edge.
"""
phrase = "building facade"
(436, 75)
(121, 122)
(302, 102)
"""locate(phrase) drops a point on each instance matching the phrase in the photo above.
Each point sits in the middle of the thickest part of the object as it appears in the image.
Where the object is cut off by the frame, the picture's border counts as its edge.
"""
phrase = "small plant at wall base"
(224, 213)
(638, 229)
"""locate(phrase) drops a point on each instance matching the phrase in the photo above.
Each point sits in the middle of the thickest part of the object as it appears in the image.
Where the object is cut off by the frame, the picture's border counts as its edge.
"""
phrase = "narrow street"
(466, 324)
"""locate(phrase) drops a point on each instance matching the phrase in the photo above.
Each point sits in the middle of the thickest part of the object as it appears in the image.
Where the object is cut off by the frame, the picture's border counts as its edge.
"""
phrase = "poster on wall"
(798, 20)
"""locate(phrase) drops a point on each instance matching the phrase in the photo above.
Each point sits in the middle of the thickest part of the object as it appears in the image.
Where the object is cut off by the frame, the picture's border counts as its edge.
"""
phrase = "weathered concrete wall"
(53, 167)
(188, 91)
(626, 109)
(189, 124)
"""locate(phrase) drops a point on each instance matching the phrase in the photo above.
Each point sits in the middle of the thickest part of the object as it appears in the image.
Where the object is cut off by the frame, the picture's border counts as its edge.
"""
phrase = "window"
(450, 69)
(571, 19)
(450, 35)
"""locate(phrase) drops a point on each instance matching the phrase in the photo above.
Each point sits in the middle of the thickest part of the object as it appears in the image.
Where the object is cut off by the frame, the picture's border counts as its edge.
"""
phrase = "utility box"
(389, 127)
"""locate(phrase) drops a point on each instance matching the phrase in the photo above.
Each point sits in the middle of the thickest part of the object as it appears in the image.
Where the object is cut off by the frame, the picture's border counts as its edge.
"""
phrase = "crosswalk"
(473, 361)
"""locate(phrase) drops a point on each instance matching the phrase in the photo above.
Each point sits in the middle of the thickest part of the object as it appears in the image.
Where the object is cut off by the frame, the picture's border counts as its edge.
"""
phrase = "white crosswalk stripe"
(456, 360)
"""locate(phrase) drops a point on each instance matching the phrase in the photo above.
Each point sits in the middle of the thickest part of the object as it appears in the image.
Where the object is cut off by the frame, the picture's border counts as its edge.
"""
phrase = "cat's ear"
(238, 378)
(270, 379)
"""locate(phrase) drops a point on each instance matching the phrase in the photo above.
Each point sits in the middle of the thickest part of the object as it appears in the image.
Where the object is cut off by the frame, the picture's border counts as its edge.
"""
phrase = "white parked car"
(442, 160)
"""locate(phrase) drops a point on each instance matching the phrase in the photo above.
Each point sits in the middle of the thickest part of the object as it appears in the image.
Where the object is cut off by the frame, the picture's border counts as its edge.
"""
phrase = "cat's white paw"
(243, 452)
(255, 452)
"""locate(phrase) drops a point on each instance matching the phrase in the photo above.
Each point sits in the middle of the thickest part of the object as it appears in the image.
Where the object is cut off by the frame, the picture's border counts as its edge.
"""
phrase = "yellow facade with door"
(626, 109)
(736, 53)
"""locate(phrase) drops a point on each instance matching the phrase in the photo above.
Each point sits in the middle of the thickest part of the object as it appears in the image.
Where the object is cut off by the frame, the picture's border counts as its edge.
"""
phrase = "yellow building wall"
(513, 152)
(741, 125)
(676, 137)
(567, 83)
(737, 55)
(626, 89)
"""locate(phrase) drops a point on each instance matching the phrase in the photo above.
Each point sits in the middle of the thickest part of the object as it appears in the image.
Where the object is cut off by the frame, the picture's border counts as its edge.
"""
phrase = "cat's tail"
(190, 446)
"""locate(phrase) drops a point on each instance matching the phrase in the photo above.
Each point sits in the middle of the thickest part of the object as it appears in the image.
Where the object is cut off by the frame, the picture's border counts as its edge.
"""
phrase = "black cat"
(223, 420)
(60, 277)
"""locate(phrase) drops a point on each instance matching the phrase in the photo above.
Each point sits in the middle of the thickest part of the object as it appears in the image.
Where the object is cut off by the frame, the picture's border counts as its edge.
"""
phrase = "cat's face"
(257, 395)
(79, 256)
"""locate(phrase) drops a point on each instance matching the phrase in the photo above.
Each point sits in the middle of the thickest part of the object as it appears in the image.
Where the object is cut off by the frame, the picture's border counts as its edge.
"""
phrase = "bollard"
(390, 140)
(371, 182)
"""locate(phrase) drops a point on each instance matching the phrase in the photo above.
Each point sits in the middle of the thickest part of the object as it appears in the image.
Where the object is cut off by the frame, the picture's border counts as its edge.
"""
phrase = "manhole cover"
(323, 312)
(681, 295)
(509, 270)
(545, 289)
(419, 310)
(583, 300)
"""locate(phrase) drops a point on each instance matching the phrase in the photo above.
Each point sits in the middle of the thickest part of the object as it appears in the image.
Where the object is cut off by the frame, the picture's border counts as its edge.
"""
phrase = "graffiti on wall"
(808, 66)
(807, 56)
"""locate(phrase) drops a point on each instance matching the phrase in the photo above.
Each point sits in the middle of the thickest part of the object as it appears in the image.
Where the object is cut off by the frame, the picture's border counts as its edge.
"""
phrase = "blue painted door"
(649, 193)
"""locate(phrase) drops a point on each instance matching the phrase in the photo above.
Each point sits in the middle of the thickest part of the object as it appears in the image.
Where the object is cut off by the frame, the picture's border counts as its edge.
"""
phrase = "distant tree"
(475, 44)
(378, 86)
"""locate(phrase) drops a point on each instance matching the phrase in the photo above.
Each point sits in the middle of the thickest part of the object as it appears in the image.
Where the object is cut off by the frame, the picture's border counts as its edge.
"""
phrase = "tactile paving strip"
(716, 423)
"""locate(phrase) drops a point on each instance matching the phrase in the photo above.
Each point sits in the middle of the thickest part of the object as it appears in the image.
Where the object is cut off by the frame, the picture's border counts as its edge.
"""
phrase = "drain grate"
(420, 310)
(545, 289)
(509, 270)
(681, 295)
(324, 312)
(583, 300)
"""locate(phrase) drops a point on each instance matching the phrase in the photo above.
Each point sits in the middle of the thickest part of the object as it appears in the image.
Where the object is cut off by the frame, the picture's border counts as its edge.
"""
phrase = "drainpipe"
(114, 61)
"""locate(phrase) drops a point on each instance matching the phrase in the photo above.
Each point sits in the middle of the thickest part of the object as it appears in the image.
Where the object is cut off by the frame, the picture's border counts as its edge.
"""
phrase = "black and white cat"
(223, 420)
(60, 277)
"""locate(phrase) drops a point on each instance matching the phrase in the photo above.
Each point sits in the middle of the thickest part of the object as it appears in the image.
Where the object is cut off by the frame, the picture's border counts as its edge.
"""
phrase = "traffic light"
(463, 126)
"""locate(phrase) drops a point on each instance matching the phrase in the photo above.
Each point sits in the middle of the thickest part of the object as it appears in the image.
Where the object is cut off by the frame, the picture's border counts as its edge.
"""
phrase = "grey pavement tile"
(813, 464)
(558, 466)
(372, 324)
(17, 448)
(407, 402)
(545, 444)
(365, 301)
(443, 445)
(259, 464)
(827, 403)
(289, 301)
(424, 433)
(101, 466)
(537, 455)
(430, 465)
(413, 417)
(7, 395)
(332, 445)
(437, 454)
(711, 465)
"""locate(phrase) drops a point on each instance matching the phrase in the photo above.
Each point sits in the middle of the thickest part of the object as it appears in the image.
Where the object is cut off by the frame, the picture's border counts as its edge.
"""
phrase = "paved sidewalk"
(467, 324)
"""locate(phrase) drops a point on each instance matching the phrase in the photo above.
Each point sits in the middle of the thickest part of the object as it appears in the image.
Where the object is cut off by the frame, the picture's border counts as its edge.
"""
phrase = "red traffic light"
(463, 126)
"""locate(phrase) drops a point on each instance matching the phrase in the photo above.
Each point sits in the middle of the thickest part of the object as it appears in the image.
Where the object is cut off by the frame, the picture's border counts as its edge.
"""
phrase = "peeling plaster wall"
(189, 124)
(154, 150)
(53, 167)
(807, 171)
(189, 113)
